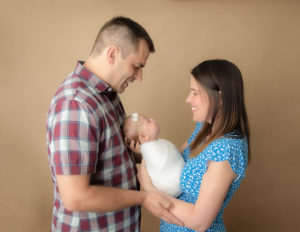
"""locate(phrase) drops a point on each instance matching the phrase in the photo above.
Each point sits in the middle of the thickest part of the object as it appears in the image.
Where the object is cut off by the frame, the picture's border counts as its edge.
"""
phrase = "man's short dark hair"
(122, 32)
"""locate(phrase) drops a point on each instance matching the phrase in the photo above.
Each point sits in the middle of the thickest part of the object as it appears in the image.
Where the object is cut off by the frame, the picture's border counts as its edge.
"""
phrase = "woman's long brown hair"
(223, 83)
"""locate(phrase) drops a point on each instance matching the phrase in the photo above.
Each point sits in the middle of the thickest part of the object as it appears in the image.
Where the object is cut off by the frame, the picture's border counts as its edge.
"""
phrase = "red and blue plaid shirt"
(84, 137)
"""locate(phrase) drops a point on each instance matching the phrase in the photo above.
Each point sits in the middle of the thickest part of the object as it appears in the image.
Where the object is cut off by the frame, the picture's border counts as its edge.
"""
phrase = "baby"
(163, 160)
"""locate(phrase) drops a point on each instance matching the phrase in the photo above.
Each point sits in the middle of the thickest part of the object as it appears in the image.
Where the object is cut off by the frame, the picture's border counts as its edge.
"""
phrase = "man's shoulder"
(74, 88)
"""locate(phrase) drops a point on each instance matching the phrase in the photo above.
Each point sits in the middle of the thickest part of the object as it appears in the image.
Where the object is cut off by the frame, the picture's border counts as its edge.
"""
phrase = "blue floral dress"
(232, 148)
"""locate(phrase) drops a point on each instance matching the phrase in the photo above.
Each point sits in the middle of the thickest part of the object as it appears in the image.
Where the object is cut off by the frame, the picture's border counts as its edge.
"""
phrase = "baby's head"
(140, 128)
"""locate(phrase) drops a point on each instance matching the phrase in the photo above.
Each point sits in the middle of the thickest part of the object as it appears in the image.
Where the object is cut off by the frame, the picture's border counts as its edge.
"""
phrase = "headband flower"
(135, 117)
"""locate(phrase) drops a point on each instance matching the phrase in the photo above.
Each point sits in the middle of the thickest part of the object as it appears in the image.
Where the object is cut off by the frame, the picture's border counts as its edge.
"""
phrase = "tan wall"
(41, 41)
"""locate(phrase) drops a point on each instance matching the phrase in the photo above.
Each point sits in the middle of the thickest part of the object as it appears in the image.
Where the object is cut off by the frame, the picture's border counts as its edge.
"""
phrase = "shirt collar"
(91, 78)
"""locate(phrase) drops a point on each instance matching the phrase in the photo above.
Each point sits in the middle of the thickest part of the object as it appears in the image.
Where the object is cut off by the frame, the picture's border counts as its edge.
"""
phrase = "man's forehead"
(143, 51)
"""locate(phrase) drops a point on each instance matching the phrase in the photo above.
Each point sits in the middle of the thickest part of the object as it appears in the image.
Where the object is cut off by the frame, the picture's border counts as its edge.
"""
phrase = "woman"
(216, 154)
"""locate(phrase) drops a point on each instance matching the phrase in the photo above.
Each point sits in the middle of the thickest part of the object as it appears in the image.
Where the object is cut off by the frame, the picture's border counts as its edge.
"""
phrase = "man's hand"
(135, 148)
(160, 207)
(132, 145)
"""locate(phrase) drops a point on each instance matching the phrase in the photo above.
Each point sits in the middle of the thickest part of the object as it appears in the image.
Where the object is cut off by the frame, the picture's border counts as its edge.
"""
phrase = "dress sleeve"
(231, 150)
(73, 139)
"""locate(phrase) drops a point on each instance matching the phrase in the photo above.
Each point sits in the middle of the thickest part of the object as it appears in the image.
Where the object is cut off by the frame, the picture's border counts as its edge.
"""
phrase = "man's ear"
(143, 138)
(112, 54)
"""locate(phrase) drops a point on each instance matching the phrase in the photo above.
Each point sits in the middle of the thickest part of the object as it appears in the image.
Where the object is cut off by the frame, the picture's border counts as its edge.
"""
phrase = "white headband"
(135, 117)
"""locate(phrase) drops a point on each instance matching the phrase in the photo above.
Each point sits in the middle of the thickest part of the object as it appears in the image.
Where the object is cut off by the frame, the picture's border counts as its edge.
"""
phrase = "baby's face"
(148, 126)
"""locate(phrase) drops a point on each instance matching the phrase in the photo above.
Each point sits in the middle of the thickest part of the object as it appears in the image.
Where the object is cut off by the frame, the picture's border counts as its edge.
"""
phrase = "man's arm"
(78, 195)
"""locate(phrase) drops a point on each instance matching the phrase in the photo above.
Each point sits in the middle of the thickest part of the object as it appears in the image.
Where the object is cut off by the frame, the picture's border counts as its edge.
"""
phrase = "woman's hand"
(144, 178)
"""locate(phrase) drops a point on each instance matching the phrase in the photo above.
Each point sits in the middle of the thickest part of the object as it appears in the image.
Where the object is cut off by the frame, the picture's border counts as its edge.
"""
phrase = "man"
(92, 170)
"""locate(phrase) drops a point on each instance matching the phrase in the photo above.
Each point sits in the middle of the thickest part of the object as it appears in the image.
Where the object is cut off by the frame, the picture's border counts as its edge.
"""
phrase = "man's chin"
(121, 90)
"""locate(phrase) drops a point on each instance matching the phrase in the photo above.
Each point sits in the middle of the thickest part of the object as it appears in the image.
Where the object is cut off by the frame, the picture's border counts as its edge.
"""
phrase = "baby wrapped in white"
(164, 164)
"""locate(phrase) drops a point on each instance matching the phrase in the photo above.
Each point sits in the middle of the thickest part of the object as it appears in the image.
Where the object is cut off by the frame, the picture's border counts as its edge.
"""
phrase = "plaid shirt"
(84, 137)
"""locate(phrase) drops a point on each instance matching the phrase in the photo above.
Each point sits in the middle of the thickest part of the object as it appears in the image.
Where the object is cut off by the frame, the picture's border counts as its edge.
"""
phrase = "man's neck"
(96, 66)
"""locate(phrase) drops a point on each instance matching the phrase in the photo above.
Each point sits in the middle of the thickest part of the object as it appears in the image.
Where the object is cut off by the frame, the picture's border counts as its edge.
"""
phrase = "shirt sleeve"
(73, 132)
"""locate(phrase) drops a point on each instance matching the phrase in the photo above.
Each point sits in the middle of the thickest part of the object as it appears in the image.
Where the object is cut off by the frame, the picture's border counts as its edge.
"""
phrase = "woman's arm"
(213, 190)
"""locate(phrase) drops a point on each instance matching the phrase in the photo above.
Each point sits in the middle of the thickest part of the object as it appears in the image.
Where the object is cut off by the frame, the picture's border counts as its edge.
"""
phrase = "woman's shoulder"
(231, 147)
(232, 140)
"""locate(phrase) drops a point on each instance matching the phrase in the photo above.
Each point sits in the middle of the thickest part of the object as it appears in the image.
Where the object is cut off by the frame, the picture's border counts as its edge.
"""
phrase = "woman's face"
(199, 102)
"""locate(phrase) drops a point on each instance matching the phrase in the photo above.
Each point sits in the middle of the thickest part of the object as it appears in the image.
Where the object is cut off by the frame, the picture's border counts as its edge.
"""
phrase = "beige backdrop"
(41, 41)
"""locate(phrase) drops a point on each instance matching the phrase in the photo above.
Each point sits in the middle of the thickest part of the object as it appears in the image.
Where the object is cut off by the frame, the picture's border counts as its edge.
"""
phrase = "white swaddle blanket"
(164, 164)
